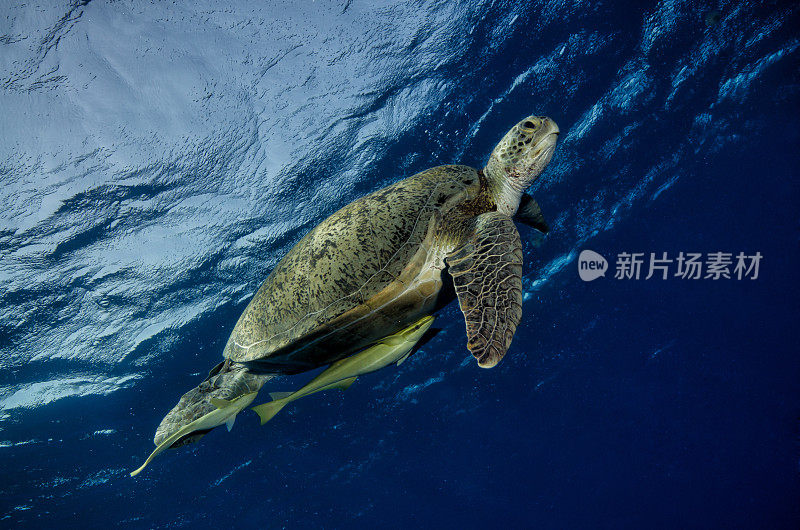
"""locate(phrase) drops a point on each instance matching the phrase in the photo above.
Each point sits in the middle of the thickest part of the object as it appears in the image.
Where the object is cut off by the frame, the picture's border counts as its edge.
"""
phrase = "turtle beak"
(546, 138)
(550, 126)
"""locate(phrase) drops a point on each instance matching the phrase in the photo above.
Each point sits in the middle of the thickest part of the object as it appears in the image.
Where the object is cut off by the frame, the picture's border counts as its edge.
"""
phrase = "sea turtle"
(376, 266)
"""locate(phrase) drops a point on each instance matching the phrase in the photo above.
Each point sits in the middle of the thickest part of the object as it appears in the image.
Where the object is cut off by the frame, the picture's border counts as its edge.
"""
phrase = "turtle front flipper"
(530, 214)
(487, 275)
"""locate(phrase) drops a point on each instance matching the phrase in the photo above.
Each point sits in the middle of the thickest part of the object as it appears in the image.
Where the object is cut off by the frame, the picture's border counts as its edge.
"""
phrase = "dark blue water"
(157, 160)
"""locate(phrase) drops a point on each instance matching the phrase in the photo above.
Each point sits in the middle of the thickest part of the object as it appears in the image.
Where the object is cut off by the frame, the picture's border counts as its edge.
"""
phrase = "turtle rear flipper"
(226, 382)
(224, 412)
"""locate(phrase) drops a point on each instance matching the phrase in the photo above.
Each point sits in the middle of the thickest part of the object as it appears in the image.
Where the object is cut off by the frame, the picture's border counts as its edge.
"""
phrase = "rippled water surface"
(157, 160)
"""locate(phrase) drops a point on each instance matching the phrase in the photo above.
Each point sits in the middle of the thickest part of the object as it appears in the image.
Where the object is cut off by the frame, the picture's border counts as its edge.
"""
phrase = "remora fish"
(342, 374)
(225, 412)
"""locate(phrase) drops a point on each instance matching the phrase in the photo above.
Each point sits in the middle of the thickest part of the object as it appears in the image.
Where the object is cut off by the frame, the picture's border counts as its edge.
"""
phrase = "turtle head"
(518, 159)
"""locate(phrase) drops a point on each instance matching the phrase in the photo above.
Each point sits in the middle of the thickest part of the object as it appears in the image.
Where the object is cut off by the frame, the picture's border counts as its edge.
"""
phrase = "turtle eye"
(530, 125)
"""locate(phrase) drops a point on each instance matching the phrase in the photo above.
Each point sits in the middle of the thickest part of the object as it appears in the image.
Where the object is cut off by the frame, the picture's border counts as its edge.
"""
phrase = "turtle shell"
(367, 271)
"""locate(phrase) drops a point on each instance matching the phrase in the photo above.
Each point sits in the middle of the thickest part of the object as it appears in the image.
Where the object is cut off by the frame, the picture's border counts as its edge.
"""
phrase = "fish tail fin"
(268, 410)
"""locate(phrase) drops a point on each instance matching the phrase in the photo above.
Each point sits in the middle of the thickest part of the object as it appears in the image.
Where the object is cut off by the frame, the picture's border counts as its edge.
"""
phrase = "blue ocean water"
(157, 160)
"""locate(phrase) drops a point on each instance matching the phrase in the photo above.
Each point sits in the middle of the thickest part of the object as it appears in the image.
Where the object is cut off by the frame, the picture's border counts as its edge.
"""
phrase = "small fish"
(225, 412)
(341, 374)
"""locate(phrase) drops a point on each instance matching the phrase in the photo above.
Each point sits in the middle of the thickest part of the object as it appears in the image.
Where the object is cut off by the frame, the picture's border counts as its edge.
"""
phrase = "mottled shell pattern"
(367, 271)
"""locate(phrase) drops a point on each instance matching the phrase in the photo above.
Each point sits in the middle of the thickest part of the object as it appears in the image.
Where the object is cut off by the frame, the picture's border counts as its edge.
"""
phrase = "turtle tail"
(228, 381)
